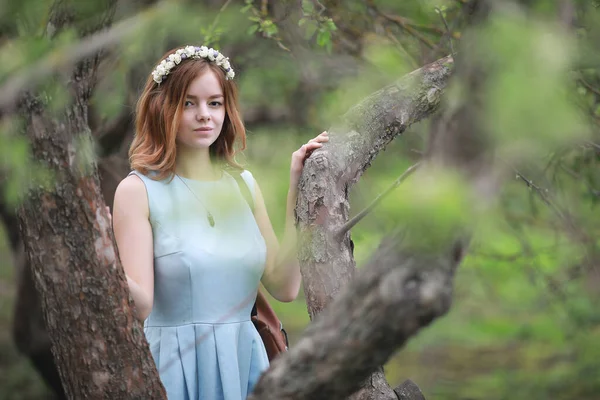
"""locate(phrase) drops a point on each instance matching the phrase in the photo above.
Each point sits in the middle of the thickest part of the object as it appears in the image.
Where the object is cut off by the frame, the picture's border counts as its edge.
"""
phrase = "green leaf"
(308, 6)
(252, 29)
(311, 28)
(323, 38)
(270, 29)
(330, 25)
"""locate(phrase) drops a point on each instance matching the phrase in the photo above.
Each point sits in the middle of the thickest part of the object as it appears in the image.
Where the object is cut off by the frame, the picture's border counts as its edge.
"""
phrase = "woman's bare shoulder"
(131, 193)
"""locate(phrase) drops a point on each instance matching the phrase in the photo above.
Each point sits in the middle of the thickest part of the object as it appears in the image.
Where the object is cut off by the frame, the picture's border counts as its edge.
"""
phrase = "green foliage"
(431, 206)
(24, 17)
(258, 89)
(20, 172)
(260, 21)
(383, 66)
(527, 77)
(315, 23)
(423, 12)
(111, 94)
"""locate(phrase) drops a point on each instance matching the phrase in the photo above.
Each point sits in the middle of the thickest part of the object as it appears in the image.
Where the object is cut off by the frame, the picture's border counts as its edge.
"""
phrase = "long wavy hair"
(158, 114)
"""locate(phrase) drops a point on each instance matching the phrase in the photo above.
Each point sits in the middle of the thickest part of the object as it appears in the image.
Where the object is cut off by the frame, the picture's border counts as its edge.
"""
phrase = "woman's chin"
(198, 145)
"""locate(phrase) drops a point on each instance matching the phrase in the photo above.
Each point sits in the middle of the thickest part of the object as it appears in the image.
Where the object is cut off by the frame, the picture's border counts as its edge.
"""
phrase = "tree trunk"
(98, 345)
(323, 209)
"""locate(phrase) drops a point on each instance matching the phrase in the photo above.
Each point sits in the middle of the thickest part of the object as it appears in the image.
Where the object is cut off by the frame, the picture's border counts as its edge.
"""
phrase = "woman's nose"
(202, 114)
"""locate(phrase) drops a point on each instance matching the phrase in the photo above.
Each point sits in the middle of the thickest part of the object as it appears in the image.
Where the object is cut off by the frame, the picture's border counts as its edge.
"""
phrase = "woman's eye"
(216, 103)
(188, 103)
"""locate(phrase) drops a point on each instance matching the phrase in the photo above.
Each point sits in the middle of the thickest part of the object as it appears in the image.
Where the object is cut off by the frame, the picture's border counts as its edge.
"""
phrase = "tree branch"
(397, 293)
(330, 172)
(350, 224)
(408, 390)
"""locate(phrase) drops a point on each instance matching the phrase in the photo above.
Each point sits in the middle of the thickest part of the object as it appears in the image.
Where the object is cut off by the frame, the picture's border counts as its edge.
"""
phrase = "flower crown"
(166, 65)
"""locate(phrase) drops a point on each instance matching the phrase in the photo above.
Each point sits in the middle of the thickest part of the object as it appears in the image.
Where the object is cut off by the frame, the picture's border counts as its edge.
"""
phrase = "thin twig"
(543, 192)
(350, 224)
(569, 171)
(401, 23)
(544, 195)
(323, 8)
(589, 86)
(215, 21)
(592, 144)
(62, 57)
(594, 192)
(406, 21)
(441, 13)
(399, 45)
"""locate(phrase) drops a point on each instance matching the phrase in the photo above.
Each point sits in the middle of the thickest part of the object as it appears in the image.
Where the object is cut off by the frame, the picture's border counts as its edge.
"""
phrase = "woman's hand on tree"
(300, 156)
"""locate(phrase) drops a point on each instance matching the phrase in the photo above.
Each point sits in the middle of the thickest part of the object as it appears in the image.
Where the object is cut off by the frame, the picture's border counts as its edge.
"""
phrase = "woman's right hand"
(300, 156)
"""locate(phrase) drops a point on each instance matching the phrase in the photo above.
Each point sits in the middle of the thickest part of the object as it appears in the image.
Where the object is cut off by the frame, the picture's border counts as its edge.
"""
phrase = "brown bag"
(269, 327)
(264, 318)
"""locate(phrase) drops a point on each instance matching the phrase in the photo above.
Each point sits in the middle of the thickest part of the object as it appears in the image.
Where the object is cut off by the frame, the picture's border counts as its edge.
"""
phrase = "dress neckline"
(204, 182)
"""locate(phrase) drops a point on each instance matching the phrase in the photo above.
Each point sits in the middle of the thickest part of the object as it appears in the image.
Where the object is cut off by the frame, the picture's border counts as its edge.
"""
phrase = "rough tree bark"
(98, 345)
(323, 208)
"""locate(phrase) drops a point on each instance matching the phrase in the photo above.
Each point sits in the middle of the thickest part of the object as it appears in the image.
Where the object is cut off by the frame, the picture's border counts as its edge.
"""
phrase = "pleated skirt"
(208, 361)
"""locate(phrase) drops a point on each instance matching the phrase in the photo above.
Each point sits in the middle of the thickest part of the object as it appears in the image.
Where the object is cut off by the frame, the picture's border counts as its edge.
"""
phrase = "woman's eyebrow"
(193, 97)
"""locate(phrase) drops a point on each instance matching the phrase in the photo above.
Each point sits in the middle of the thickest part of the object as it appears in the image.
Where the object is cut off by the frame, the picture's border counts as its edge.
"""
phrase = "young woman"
(193, 250)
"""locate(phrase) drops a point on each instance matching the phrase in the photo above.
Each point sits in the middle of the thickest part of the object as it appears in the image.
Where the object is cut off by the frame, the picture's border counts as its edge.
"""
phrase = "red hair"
(158, 113)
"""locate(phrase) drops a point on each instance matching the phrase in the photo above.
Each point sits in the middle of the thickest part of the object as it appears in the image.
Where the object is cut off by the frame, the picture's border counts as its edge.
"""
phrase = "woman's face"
(203, 113)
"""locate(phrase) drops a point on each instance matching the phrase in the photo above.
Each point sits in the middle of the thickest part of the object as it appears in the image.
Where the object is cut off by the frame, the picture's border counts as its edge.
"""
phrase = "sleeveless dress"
(205, 283)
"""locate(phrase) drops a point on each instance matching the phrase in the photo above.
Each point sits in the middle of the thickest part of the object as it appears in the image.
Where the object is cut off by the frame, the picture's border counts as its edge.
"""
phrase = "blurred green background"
(525, 321)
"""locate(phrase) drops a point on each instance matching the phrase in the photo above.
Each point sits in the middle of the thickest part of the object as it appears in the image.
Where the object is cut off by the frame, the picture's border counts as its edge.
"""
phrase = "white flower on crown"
(164, 68)
(175, 57)
(204, 52)
(189, 51)
(211, 55)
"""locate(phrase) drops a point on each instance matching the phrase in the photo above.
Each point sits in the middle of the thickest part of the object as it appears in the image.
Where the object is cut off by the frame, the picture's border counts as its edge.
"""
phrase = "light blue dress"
(205, 282)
